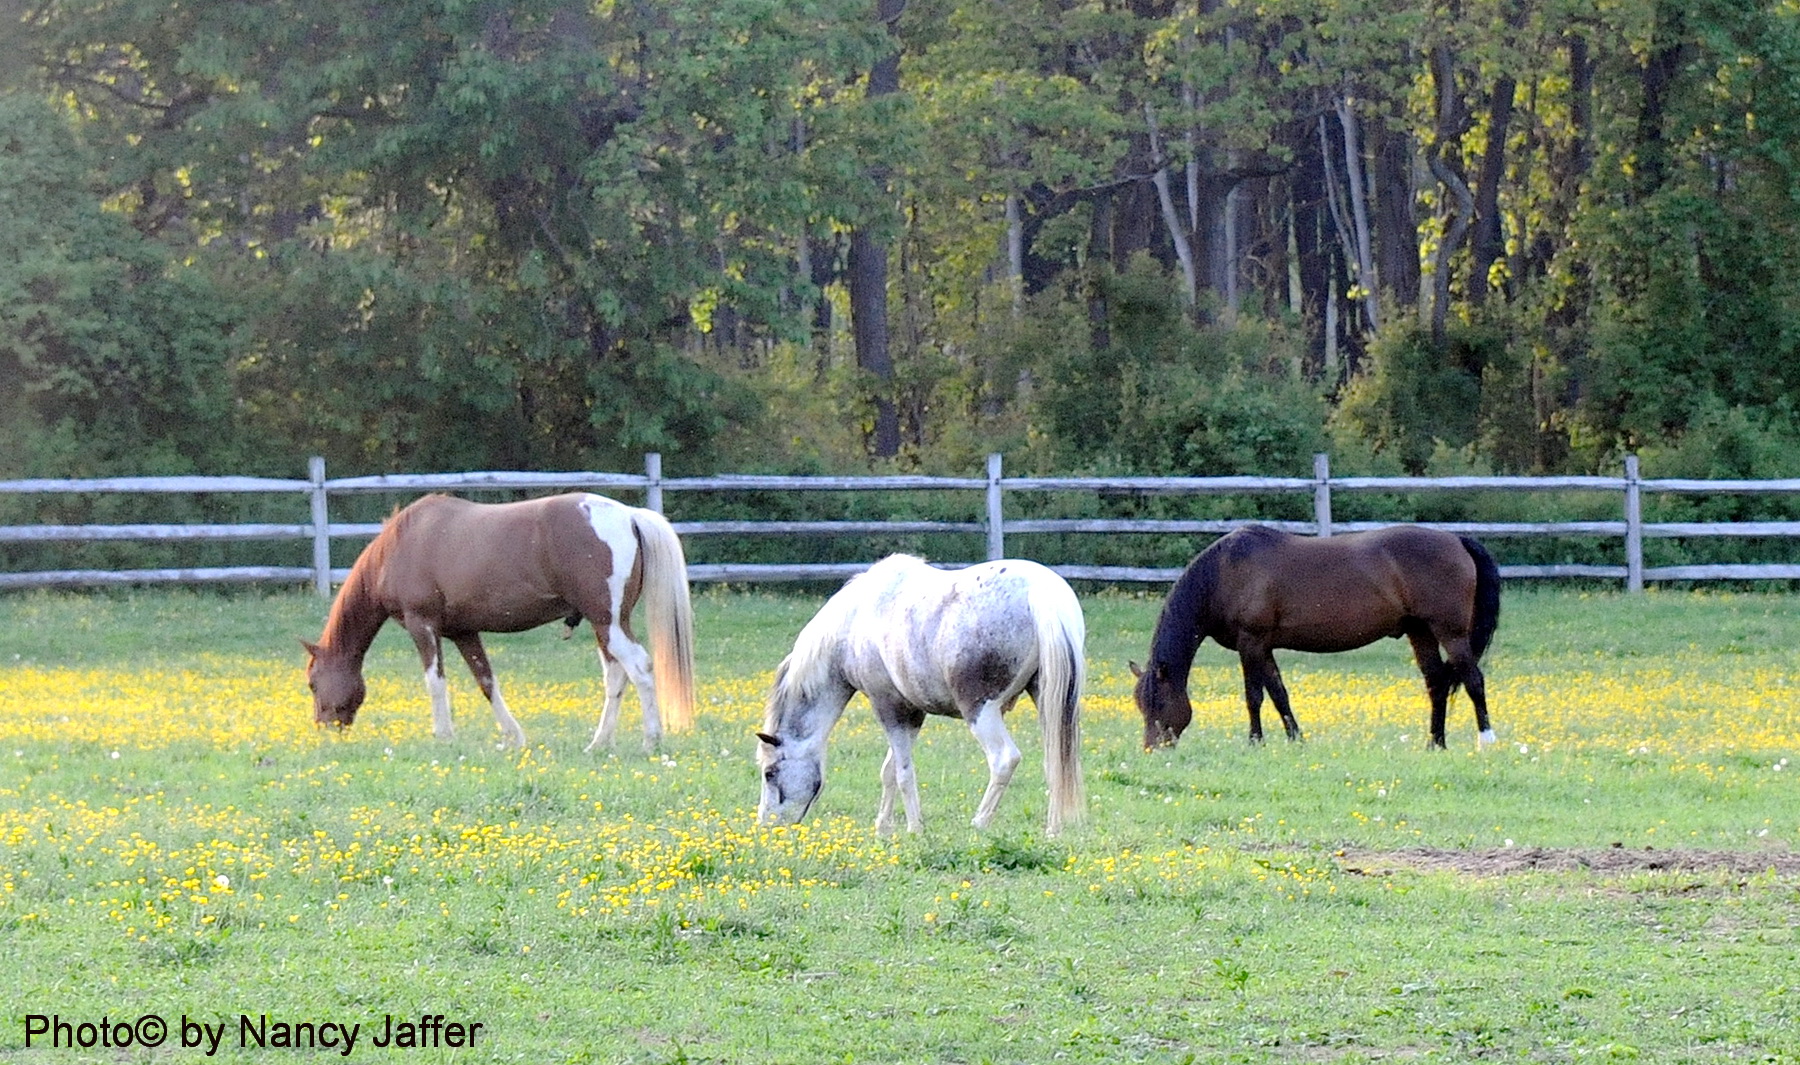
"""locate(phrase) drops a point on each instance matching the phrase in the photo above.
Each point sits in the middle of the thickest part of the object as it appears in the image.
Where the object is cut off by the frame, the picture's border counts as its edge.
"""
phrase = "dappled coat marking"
(917, 641)
(447, 568)
(1258, 589)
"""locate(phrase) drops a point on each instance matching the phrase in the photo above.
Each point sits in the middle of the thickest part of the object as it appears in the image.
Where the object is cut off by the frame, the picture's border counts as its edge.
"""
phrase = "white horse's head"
(793, 773)
(791, 749)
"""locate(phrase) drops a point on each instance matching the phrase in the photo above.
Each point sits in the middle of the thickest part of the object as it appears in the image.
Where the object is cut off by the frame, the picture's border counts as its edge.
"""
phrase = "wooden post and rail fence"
(992, 524)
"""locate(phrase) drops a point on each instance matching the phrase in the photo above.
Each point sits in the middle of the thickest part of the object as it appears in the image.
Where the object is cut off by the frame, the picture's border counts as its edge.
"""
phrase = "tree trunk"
(1396, 224)
(1313, 284)
(1489, 241)
(868, 269)
(1359, 213)
(869, 327)
(1444, 158)
(1099, 253)
(1669, 49)
(1015, 254)
(1184, 250)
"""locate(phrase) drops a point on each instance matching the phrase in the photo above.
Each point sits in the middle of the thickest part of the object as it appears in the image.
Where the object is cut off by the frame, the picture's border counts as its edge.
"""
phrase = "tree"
(868, 269)
(116, 359)
(515, 215)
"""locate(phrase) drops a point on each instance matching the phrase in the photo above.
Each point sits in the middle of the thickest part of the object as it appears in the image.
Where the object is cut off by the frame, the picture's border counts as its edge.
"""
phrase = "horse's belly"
(921, 693)
(1329, 639)
(507, 617)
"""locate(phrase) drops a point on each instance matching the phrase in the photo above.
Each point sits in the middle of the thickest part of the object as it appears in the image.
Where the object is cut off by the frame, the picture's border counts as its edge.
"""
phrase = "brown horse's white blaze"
(447, 568)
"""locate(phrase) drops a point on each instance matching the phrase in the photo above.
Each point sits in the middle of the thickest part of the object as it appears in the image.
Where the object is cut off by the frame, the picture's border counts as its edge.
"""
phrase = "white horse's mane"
(806, 671)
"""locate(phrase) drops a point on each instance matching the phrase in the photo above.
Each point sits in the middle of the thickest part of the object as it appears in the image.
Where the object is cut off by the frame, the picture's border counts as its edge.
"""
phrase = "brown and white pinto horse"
(1258, 589)
(449, 568)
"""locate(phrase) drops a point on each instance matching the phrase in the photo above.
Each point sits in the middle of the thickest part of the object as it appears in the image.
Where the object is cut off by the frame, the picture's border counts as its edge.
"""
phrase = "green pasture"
(1616, 879)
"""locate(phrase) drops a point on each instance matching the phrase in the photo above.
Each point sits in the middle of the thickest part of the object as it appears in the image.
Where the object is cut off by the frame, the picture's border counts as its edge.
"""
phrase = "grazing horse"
(449, 568)
(1258, 589)
(918, 640)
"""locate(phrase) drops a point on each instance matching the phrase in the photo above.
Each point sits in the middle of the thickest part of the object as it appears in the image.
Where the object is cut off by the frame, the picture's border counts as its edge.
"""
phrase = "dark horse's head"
(1163, 700)
(336, 683)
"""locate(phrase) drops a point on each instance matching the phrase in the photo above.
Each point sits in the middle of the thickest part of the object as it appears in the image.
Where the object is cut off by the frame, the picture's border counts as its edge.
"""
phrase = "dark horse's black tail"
(1487, 596)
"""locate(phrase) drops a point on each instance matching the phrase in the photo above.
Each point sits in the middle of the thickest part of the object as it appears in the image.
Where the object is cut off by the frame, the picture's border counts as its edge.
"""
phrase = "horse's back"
(497, 567)
(1340, 592)
(933, 638)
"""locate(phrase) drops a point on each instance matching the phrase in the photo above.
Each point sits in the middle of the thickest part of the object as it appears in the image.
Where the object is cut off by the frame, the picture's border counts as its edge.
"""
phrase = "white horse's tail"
(669, 615)
(1062, 676)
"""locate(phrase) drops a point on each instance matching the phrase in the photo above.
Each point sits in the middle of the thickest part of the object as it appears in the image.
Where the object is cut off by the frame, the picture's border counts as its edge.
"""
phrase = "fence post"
(653, 490)
(1634, 527)
(996, 514)
(321, 527)
(1322, 492)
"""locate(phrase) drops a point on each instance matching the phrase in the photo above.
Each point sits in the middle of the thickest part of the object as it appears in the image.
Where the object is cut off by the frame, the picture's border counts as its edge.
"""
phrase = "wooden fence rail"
(993, 526)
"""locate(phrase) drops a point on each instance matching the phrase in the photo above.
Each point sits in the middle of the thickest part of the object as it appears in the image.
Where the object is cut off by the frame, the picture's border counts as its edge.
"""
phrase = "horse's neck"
(1183, 623)
(355, 618)
(814, 691)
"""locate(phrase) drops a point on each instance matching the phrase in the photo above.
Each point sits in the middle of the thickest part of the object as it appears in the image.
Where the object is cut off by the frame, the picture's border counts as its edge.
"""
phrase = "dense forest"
(1202, 237)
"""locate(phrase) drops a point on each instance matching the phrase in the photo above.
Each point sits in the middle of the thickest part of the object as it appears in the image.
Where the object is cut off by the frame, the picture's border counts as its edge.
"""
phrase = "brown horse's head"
(337, 686)
(1164, 703)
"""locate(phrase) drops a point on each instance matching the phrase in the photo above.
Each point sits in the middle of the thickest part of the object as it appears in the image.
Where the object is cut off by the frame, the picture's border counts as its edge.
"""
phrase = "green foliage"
(1164, 397)
(1698, 308)
(117, 359)
(1416, 397)
(427, 234)
(1732, 443)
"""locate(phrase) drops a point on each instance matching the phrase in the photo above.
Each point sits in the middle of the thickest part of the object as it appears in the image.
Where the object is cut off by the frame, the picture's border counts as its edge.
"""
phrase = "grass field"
(1617, 879)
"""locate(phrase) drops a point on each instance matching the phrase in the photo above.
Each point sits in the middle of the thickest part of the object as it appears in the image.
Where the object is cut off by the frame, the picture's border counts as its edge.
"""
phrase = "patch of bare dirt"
(1616, 860)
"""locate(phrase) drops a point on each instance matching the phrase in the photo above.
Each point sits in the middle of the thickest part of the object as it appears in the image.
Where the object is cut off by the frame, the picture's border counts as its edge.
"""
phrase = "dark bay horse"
(1258, 589)
(448, 568)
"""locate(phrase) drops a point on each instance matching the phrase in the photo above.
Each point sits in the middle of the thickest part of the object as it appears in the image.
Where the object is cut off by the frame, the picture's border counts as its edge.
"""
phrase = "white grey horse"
(918, 640)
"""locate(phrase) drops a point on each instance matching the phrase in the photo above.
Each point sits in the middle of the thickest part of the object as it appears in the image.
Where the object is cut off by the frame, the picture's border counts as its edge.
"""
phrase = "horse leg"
(1278, 694)
(431, 654)
(890, 787)
(1437, 676)
(1462, 662)
(621, 650)
(1253, 695)
(898, 774)
(476, 656)
(615, 694)
(989, 727)
(1261, 674)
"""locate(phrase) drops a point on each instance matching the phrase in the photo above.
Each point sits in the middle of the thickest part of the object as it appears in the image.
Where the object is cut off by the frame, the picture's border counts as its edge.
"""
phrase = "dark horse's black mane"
(1182, 626)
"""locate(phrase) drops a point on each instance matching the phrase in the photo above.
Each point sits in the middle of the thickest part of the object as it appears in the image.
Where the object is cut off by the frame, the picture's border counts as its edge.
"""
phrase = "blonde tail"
(670, 617)
(1062, 677)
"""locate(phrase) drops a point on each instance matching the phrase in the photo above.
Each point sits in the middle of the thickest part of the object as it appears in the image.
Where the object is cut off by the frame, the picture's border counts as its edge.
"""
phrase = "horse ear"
(312, 649)
(1136, 670)
(773, 741)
